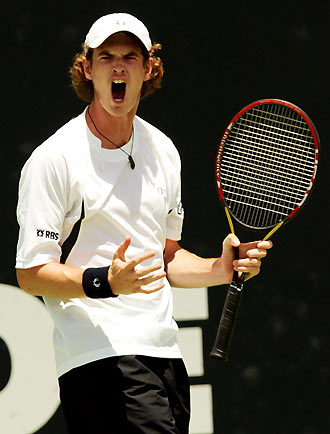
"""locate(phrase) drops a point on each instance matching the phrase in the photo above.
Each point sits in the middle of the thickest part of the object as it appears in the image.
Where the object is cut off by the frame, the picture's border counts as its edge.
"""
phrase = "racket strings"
(267, 164)
(268, 192)
(270, 171)
(268, 144)
(257, 118)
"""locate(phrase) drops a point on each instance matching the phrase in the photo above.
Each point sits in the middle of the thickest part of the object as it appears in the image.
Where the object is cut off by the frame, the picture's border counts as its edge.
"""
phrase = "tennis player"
(100, 218)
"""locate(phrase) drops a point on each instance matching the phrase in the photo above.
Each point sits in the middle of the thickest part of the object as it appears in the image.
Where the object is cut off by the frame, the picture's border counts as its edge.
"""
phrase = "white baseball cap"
(113, 23)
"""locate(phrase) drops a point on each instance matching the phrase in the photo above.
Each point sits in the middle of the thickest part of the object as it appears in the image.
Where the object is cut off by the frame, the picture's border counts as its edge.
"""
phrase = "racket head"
(267, 163)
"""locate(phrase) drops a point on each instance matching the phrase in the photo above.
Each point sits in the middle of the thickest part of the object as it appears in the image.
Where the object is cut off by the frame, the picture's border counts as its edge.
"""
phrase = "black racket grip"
(227, 322)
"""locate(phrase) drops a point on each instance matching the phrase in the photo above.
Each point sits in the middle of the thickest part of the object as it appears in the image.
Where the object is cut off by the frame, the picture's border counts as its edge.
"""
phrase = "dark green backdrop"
(218, 57)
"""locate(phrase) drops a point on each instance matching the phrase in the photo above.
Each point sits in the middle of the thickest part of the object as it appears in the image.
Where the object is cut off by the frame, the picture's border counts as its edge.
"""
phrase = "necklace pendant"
(131, 161)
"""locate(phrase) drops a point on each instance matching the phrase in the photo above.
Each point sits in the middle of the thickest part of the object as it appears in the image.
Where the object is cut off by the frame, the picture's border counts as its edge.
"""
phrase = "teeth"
(118, 89)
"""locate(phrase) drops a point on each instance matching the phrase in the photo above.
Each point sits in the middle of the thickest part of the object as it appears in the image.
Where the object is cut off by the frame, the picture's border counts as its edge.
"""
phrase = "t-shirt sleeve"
(174, 221)
(42, 204)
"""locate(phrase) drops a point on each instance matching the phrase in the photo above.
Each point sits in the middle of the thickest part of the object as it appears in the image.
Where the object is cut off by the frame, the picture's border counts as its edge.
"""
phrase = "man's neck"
(117, 129)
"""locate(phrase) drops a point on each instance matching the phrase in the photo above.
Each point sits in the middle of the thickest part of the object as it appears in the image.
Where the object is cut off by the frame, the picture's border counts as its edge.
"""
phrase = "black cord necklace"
(130, 158)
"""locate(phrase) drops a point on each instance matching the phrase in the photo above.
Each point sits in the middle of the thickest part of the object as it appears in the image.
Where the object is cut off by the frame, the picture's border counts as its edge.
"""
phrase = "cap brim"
(96, 42)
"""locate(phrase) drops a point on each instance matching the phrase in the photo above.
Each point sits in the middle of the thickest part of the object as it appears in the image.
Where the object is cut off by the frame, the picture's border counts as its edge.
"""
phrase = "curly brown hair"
(84, 88)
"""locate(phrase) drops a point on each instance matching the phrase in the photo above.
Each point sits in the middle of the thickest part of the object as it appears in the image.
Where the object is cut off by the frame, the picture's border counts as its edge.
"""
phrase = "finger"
(138, 259)
(252, 266)
(256, 253)
(150, 289)
(251, 270)
(247, 262)
(259, 249)
(150, 279)
(265, 244)
(230, 241)
(120, 252)
(144, 271)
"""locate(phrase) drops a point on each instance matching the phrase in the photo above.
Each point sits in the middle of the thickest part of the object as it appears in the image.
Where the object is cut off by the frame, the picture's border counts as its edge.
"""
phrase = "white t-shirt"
(144, 203)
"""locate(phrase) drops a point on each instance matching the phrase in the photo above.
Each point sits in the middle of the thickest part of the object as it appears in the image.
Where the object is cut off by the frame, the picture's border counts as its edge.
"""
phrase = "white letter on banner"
(30, 397)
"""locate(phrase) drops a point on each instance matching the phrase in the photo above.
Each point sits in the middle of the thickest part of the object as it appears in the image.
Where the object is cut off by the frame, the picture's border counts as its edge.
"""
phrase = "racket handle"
(227, 322)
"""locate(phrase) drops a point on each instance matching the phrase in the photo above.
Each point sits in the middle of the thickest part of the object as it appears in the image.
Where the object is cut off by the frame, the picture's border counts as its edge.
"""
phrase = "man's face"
(118, 72)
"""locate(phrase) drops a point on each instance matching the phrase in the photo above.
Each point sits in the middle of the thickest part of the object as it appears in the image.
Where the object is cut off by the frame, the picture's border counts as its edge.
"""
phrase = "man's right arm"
(52, 280)
(63, 281)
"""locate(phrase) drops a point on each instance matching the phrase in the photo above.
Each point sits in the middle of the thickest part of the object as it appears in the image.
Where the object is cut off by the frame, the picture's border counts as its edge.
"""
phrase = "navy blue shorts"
(127, 395)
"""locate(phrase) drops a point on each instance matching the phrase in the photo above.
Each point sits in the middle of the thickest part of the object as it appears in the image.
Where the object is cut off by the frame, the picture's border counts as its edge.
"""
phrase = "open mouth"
(118, 90)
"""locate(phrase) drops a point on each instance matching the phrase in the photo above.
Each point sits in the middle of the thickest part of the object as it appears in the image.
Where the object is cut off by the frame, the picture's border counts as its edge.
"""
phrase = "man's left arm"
(187, 270)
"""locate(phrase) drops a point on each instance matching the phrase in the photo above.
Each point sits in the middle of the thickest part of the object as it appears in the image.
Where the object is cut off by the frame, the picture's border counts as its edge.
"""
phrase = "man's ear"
(148, 69)
(87, 69)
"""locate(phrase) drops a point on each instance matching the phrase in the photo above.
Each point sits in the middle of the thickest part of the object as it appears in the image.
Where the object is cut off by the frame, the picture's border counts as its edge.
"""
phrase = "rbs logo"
(47, 234)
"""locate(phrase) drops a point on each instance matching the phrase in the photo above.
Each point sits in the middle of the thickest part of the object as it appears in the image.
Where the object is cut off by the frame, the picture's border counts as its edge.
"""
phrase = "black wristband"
(96, 284)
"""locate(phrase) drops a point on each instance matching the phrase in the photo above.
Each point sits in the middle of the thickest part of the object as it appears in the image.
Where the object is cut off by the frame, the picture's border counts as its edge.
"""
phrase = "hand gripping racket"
(265, 170)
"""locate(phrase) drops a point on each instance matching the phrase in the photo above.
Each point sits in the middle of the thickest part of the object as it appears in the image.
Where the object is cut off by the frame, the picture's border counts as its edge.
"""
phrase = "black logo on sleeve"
(47, 234)
(179, 209)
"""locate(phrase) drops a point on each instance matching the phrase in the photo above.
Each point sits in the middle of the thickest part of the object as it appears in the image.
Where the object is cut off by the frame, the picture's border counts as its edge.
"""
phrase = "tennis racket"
(265, 170)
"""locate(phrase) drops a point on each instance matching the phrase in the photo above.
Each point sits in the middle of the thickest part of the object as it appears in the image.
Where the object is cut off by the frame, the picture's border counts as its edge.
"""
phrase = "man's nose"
(118, 66)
